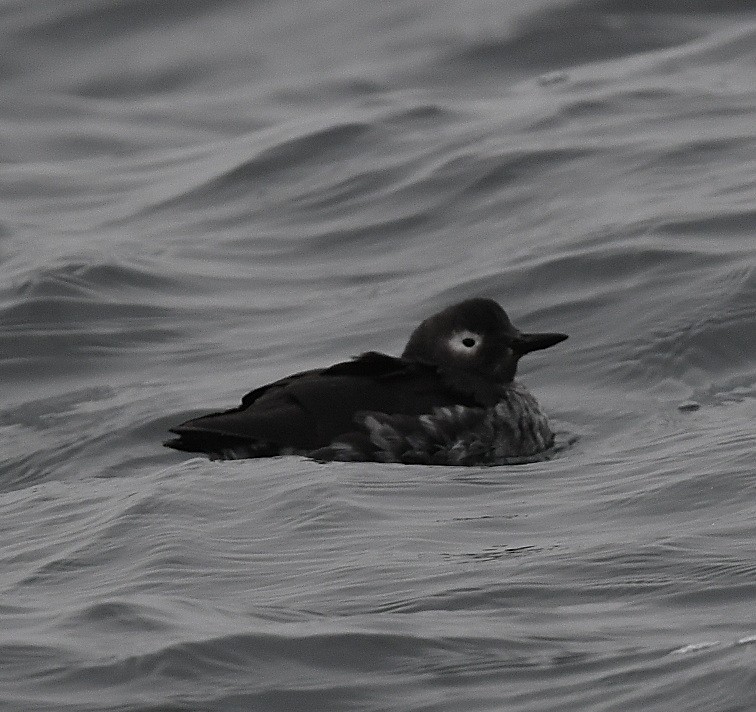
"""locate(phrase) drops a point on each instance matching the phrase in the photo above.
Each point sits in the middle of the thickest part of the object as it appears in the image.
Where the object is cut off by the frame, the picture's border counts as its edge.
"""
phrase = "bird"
(451, 398)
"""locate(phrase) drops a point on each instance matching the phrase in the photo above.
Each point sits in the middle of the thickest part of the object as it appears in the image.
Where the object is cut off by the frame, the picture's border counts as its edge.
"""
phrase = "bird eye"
(465, 343)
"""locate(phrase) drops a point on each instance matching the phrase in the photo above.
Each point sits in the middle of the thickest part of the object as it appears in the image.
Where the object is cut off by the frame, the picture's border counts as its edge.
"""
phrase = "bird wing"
(309, 410)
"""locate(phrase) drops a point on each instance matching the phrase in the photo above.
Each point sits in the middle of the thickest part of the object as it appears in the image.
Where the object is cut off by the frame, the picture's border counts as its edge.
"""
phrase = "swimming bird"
(449, 399)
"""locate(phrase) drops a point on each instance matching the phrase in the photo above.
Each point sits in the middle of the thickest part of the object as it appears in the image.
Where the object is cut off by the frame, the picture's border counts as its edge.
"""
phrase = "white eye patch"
(465, 342)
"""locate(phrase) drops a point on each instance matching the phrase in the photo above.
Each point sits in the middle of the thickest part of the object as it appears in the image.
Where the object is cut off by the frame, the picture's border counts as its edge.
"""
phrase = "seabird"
(449, 399)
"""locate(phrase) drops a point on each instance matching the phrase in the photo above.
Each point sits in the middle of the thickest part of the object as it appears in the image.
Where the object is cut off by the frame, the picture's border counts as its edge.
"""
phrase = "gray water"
(199, 197)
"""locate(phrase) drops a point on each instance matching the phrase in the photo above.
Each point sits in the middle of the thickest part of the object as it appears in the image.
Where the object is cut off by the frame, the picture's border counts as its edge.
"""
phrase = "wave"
(574, 35)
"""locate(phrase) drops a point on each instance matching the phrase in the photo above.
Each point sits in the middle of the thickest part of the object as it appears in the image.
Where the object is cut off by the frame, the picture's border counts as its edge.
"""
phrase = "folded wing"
(310, 410)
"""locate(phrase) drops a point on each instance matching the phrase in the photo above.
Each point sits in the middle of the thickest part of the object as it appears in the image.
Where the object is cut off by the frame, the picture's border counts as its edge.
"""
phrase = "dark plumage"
(450, 399)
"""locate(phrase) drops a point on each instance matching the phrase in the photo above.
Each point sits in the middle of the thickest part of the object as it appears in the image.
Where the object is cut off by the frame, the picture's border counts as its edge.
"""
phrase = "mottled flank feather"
(514, 430)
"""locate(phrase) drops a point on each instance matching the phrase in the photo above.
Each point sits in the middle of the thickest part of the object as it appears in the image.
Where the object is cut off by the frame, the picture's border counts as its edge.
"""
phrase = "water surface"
(199, 197)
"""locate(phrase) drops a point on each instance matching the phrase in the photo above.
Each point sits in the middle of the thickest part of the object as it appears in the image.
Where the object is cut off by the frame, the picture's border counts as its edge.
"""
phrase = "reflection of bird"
(449, 400)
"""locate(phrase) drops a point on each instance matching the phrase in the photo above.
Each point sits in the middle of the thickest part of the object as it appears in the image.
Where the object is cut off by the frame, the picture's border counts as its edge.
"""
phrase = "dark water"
(197, 197)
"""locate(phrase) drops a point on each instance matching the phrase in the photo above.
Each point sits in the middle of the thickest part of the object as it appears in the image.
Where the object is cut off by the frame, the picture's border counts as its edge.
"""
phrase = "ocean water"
(198, 197)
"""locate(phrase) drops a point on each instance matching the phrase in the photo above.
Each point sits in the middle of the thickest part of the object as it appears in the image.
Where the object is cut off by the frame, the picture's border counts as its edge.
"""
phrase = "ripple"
(549, 40)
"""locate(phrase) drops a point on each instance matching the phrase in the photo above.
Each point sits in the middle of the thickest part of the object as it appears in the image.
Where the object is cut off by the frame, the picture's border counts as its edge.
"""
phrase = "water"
(199, 197)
